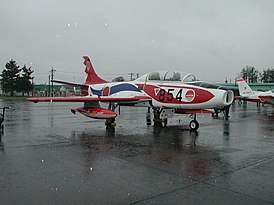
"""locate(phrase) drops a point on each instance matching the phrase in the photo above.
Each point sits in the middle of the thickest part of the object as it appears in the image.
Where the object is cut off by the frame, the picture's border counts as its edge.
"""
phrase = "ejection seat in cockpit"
(154, 76)
(176, 76)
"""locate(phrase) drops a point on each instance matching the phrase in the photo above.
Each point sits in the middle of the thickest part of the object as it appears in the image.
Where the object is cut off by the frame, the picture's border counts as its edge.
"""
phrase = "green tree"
(24, 84)
(9, 77)
(250, 74)
(267, 76)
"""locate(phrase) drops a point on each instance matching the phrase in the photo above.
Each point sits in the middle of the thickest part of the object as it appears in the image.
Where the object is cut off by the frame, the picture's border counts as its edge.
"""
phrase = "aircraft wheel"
(165, 122)
(194, 125)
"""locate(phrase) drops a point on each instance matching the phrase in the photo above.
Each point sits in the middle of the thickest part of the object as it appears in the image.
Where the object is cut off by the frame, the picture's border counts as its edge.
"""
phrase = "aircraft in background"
(166, 92)
(247, 94)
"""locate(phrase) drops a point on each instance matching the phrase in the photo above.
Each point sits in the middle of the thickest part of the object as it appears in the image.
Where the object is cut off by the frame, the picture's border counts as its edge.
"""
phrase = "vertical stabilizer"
(92, 77)
(244, 88)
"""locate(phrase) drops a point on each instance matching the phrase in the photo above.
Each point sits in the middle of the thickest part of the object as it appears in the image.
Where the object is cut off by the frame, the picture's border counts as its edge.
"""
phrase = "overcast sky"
(214, 39)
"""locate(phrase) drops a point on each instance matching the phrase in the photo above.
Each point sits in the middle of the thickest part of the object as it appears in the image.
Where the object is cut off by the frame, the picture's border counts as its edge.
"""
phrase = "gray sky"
(213, 39)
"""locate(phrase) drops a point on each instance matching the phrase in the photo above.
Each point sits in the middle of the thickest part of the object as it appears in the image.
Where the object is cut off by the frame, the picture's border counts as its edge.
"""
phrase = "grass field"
(13, 97)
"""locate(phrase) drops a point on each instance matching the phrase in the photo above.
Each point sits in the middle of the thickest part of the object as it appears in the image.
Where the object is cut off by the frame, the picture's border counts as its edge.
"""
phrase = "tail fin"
(92, 77)
(244, 88)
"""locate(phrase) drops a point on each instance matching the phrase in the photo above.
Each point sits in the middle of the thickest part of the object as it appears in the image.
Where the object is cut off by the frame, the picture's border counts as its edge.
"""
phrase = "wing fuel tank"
(95, 112)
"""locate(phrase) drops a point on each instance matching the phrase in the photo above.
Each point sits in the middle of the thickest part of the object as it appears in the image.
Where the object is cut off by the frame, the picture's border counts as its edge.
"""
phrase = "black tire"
(193, 125)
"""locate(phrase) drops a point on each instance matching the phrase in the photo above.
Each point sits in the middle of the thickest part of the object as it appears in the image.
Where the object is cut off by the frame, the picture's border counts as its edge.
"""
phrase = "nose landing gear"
(194, 125)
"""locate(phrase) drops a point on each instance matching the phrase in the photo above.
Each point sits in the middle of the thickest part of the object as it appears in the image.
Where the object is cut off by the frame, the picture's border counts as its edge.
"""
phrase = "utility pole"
(52, 71)
(49, 88)
(32, 85)
(131, 75)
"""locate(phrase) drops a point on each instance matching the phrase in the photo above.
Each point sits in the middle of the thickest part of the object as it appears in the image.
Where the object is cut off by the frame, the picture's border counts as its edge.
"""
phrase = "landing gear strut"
(110, 123)
(148, 117)
(194, 125)
(226, 112)
(158, 121)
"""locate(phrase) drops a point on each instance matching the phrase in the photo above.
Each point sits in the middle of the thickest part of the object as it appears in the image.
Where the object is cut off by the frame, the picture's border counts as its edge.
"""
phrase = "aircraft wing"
(241, 98)
(267, 98)
(89, 99)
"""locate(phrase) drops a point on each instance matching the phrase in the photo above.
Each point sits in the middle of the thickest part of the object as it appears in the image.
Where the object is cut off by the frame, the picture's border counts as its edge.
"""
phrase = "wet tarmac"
(50, 156)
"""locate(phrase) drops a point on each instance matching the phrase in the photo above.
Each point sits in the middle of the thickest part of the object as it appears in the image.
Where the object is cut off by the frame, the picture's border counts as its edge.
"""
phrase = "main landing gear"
(110, 123)
(225, 110)
(194, 125)
(148, 117)
(160, 116)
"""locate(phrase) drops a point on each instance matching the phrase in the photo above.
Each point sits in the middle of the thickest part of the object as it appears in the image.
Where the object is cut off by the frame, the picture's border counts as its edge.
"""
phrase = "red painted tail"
(92, 77)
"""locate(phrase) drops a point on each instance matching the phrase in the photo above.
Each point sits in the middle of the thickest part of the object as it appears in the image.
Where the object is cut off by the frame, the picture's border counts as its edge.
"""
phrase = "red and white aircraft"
(166, 93)
(247, 94)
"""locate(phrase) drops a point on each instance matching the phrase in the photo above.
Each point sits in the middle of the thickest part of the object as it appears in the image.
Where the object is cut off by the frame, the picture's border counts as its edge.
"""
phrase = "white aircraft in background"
(166, 92)
(247, 94)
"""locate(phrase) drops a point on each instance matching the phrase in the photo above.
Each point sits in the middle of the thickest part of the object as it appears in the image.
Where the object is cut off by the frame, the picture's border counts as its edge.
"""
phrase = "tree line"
(252, 75)
(15, 79)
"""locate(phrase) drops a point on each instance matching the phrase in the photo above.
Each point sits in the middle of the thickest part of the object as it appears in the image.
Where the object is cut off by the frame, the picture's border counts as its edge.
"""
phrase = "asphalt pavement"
(50, 156)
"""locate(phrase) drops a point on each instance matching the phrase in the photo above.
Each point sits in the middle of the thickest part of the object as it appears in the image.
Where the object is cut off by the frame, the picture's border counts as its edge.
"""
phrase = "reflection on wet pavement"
(47, 154)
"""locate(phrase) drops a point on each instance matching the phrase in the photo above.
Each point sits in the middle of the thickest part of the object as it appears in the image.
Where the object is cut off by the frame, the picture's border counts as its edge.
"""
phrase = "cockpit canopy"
(169, 76)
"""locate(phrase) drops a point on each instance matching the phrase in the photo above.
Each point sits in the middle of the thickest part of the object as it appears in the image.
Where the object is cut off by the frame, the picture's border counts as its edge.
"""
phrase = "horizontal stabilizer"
(69, 83)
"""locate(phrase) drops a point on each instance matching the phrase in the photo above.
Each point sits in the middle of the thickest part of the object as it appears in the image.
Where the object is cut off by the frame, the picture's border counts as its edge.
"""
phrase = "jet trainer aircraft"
(166, 92)
(247, 94)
